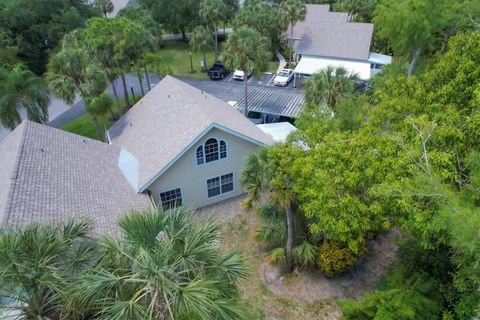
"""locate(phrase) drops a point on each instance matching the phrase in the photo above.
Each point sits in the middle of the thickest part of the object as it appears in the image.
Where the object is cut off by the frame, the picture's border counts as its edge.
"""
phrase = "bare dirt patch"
(311, 286)
(302, 295)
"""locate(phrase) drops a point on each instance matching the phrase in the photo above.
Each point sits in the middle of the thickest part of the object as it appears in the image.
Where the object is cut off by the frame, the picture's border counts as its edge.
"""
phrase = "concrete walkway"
(282, 62)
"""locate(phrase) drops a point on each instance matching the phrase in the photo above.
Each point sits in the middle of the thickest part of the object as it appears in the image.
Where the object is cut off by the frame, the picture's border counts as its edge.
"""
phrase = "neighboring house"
(329, 39)
(189, 146)
(176, 147)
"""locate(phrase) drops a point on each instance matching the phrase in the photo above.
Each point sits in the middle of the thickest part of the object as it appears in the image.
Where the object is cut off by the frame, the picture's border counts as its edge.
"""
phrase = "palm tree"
(105, 6)
(20, 87)
(330, 86)
(38, 263)
(96, 106)
(246, 49)
(214, 11)
(294, 11)
(201, 39)
(266, 172)
(167, 266)
(72, 72)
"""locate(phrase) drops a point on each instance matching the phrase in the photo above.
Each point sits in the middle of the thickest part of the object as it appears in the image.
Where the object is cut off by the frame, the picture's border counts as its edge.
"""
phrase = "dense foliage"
(165, 266)
(35, 28)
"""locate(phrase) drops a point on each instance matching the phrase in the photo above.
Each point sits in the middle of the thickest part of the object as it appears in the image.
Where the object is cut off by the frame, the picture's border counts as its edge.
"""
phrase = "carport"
(273, 104)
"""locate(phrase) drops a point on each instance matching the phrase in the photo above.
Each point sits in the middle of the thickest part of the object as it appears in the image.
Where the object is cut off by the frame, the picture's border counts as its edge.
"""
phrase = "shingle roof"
(329, 34)
(52, 176)
(347, 40)
(166, 121)
(316, 13)
(275, 101)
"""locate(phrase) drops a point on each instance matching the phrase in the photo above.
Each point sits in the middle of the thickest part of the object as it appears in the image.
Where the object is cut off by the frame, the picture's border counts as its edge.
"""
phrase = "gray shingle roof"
(347, 40)
(329, 34)
(52, 176)
(167, 120)
(275, 101)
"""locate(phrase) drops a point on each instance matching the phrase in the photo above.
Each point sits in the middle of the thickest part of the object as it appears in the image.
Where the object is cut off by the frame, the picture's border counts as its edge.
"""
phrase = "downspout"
(149, 194)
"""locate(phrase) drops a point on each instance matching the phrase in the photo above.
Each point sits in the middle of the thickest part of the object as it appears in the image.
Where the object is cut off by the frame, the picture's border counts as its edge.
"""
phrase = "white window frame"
(219, 142)
(220, 178)
(170, 190)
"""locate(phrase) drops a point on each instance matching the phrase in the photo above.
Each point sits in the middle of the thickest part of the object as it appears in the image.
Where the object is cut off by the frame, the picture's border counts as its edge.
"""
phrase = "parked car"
(239, 74)
(217, 71)
(283, 78)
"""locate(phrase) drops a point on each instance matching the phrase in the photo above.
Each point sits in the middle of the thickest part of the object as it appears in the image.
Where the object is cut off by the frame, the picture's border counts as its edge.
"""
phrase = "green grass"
(84, 126)
(175, 57)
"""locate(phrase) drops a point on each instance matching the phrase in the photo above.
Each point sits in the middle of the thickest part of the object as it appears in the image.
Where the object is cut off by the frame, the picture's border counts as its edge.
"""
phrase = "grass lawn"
(84, 126)
(263, 303)
(175, 57)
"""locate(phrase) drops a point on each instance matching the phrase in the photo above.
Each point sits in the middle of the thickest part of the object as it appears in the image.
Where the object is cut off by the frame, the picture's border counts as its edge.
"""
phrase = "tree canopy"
(36, 27)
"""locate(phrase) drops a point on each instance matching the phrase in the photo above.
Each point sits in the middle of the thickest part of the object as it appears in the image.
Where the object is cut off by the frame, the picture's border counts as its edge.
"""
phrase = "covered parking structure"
(267, 105)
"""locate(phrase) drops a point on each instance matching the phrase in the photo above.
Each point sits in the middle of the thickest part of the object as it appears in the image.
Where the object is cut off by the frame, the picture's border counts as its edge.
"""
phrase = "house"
(178, 146)
(329, 39)
(189, 145)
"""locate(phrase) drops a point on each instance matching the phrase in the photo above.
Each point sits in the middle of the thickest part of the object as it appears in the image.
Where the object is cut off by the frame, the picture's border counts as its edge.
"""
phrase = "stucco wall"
(192, 179)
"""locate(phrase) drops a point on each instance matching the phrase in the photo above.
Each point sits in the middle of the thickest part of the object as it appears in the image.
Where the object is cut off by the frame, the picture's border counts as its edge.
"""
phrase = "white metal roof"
(379, 58)
(309, 65)
(277, 131)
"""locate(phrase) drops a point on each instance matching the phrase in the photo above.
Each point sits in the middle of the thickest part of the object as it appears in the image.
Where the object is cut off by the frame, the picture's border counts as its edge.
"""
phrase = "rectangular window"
(171, 199)
(223, 150)
(220, 185)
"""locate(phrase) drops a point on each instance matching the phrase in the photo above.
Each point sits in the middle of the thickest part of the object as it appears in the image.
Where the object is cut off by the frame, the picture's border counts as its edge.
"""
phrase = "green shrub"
(305, 254)
(277, 256)
(334, 258)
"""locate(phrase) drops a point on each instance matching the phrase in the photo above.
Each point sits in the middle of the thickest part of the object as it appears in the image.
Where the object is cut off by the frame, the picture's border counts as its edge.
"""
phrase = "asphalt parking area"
(266, 80)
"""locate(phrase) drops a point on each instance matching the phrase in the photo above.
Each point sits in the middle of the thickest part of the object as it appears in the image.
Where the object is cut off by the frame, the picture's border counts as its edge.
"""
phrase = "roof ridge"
(14, 174)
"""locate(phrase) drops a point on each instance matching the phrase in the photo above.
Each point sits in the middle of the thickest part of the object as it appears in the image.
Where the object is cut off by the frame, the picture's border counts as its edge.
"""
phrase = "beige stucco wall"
(192, 179)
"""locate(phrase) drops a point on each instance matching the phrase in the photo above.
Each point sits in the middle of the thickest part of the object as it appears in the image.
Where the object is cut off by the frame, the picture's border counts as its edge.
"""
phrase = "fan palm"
(246, 49)
(20, 87)
(330, 86)
(72, 72)
(37, 265)
(105, 6)
(294, 11)
(214, 11)
(265, 172)
(166, 267)
(201, 39)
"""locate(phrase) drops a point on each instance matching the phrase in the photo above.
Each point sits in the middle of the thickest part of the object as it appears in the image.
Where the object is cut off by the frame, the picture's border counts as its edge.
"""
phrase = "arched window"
(200, 159)
(211, 150)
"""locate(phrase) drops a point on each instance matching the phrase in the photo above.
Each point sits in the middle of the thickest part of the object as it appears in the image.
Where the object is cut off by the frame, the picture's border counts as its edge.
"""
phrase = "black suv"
(217, 71)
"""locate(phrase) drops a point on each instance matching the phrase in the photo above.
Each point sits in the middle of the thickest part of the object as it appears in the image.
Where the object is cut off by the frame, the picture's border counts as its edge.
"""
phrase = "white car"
(283, 77)
(239, 74)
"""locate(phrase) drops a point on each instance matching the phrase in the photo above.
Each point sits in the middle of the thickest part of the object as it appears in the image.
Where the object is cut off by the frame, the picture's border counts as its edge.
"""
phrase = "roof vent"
(84, 141)
(42, 150)
(131, 124)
